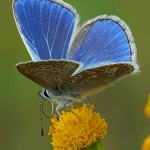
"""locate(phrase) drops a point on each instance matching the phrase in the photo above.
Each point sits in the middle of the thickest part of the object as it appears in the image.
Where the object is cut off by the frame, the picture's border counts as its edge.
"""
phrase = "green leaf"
(95, 146)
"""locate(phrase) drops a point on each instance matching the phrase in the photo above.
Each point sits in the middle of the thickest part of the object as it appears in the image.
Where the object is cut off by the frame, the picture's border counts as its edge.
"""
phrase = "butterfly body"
(57, 95)
(69, 62)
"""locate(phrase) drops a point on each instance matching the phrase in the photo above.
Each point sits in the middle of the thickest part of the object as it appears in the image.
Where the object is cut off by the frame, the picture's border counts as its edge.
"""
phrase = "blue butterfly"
(72, 62)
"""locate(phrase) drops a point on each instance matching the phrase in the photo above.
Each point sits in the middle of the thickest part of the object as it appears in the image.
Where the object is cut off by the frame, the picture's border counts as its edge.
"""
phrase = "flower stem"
(95, 146)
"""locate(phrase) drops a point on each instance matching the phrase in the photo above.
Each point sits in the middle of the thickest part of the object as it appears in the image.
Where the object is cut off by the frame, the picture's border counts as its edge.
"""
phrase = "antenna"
(41, 118)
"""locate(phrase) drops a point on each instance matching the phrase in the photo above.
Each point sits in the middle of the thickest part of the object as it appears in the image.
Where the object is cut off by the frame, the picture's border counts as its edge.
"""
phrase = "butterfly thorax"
(56, 95)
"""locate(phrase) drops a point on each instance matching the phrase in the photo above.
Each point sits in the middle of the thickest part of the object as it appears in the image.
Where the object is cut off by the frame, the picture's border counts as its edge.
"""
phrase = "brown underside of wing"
(92, 80)
(48, 74)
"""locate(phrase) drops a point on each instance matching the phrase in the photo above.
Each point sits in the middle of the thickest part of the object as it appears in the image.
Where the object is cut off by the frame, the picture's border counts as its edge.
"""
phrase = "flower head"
(147, 108)
(77, 129)
(146, 144)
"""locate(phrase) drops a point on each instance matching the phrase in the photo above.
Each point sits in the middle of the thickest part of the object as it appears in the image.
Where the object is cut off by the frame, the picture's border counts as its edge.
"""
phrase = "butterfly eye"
(45, 94)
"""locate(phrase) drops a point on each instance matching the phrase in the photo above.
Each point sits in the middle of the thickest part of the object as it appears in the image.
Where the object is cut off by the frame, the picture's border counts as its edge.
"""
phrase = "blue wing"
(102, 41)
(45, 26)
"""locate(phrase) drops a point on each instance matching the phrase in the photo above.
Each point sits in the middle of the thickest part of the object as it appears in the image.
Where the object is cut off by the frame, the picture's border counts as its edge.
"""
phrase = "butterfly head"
(44, 94)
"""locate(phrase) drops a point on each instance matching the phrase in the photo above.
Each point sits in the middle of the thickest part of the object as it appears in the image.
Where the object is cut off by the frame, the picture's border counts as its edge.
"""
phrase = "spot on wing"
(47, 78)
(59, 64)
(41, 68)
(78, 76)
(125, 69)
(62, 71)
(34, 69)
(40, 74)
(71, 81)
(57, 78)
(28, 71)
(55, 69)
(47, 67)
(116, 71)
(22, 66)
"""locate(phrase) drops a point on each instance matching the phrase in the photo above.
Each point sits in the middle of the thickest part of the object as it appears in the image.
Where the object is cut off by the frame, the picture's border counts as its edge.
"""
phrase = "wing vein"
(42, 24)
(45, 38)
(51, 49)
(90, 44)
(48, 30)
(29, 29)
(66, 40)
(109, 42)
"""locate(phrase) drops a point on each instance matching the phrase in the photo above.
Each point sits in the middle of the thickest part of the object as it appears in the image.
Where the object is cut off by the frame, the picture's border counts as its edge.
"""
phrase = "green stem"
(95, 146)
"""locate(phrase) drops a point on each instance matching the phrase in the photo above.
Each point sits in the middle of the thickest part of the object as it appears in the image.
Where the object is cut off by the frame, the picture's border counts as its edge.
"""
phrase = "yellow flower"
(77, 129)
(147, 108)
(146, 144)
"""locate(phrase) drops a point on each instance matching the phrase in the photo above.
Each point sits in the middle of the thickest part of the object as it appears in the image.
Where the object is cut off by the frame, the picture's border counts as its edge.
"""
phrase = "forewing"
(93, 80)
(45, 26)
(102, 41)
(48, 74)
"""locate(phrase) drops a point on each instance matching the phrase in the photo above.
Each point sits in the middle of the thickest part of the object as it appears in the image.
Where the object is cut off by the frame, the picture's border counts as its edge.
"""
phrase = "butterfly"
(68, 61)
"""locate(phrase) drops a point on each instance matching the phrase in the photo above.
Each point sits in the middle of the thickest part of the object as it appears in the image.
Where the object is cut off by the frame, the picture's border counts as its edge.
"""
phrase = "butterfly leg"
(51, 103)
(68, 103)
(67, 107)
(59, 106)
(65, 104)
(86, 101)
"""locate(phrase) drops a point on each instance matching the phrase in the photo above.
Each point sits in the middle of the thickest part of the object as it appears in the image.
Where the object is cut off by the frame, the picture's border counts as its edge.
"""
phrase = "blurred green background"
(122, 105)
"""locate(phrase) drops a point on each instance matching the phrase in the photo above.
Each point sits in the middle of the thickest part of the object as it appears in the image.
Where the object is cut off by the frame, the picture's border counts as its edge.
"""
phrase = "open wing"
(48, 74)
(102, 41)
(45, 26)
